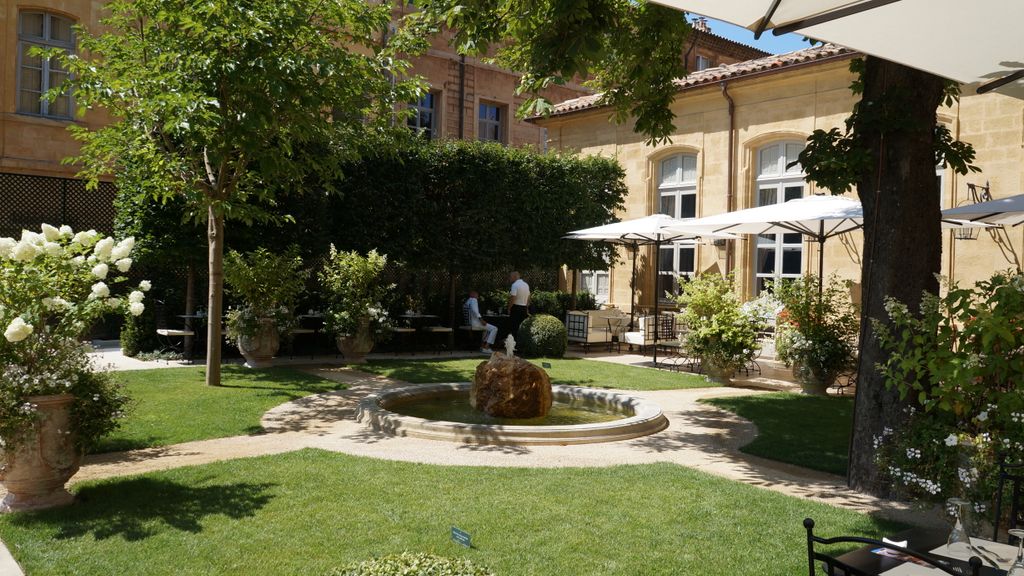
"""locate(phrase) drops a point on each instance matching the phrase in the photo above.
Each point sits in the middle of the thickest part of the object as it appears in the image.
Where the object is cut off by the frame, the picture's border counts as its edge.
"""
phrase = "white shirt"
(520, 293)
(472, 307)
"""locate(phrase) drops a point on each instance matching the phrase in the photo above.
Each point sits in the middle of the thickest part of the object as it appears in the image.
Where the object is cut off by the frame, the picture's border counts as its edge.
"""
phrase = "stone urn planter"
(34, 473)
(812, 381)
(355, 347)
(718, 374)
(259, 349)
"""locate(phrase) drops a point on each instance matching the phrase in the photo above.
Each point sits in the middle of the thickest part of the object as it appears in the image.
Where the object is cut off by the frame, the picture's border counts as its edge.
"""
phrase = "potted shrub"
(356, 298)
(268, 285)
(816, 334)
(719, 332)
(53, 405)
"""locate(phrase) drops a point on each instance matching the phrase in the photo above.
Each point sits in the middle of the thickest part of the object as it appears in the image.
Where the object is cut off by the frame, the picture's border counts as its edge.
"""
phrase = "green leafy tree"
(225, 103)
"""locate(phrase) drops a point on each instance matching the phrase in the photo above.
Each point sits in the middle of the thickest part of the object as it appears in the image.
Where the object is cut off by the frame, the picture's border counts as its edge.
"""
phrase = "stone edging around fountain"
(642, 418)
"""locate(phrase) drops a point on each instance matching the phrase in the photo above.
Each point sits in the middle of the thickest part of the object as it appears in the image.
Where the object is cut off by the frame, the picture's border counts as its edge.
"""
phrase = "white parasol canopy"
(1007, 211)
(976, 43)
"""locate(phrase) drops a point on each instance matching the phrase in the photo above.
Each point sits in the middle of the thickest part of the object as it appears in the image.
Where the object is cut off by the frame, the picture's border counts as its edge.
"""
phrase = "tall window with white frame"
(677, 197)
(423, 116)
(778, 256)
(37, 75)
(596, 282)
(491, 122)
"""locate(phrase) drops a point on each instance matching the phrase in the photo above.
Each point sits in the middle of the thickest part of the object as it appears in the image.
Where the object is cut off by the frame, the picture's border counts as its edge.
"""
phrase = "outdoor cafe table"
(919, 540)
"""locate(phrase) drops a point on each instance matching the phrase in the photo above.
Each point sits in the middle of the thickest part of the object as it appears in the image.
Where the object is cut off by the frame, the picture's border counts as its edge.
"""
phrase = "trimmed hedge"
(542, 335)
(557, 303)
(408, 564)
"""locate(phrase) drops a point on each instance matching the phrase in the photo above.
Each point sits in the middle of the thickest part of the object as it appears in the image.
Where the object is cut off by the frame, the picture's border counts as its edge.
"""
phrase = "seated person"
(471, 311)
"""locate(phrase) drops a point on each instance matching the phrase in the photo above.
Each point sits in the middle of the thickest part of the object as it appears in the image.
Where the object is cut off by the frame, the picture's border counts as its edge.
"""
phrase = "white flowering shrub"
(355, 292)
(816, 333)
(268, 286)
(56, 284)
(960, 365)
(720, 332)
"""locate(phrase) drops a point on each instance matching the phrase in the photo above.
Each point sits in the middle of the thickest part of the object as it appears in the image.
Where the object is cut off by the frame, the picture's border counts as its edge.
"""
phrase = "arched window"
(38, 75)
(677, 197)
(778, 256)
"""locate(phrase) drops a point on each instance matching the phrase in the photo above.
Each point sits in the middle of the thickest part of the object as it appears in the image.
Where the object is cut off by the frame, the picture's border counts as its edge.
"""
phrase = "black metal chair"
(168, 337)
(1012, 474)
(835, 567)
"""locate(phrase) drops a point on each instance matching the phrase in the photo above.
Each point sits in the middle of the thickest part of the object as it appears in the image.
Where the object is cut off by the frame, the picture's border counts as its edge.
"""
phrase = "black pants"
(516, 317)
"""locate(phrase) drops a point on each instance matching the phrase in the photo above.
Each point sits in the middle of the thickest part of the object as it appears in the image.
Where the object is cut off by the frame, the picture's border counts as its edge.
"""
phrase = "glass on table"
(959, 540)
(1017, 568)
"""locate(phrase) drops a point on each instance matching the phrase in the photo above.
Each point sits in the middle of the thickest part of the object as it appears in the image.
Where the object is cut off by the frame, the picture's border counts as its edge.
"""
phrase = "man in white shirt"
(471, 310)
(518, 302)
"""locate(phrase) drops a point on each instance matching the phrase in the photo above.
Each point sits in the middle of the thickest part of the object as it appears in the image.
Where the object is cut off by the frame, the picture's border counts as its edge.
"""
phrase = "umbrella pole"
(632, 290)
(821, 262)
(657, 273)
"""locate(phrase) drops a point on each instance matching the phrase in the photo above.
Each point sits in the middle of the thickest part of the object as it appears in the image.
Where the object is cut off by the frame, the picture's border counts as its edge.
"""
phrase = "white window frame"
(499, 123)
(702, 63)
(773, 174)
(677, 179)
(418, 108)
(25, 42)
(595, 276)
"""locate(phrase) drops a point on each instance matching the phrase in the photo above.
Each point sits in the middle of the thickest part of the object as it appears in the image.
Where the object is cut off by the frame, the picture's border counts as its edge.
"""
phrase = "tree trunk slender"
(215, 235)
(902, 237)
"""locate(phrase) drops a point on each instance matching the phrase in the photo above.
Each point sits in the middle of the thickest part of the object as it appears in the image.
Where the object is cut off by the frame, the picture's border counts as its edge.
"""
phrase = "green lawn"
(173, 405)
(569, 371)
(809, 431)
(309, 511)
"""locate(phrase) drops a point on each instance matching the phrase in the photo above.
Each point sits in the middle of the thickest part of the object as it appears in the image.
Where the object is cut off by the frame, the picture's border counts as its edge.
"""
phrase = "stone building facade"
(738, 127)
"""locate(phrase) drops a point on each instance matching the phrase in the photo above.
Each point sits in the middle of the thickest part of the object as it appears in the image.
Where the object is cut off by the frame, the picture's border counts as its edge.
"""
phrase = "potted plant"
(816, 333)
(718, 331)
(53, 405)
(356, 298)
(268, 285)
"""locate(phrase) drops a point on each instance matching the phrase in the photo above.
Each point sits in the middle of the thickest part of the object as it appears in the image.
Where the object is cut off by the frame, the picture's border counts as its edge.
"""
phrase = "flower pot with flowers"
(719, 332)
(816, 333)
(268, 285)
(356, 298)
(53, 404)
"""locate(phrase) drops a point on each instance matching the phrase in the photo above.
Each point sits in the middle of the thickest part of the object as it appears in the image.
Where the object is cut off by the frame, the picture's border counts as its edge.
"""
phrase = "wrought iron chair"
(834, 567)
(168, 337)
(1012, 474)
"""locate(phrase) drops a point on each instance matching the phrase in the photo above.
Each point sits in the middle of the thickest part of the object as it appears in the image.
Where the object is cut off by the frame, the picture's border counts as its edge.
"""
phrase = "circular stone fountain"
(577, 416)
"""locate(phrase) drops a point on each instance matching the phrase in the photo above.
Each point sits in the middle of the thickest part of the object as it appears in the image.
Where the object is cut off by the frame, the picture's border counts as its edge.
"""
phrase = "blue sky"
(768, 42)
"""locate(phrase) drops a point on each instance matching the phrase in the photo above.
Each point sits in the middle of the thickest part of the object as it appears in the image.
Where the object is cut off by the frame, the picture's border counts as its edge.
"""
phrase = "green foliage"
(268, 284)
(542, 335)
(556, 303)
(409, 564)
(356, 296)
(628, 50)
(448, 205)
(817, 334)
(837, 160)
(959, 362)
(719, 332)
(138, 333)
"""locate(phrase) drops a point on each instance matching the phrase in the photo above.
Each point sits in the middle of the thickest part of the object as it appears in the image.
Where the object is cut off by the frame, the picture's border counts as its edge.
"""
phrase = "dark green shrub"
(407, 564)
(542, 335)
(557, 303)
(138, 333)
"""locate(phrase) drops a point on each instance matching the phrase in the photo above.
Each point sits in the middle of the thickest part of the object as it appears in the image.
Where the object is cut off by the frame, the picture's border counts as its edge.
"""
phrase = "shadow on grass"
(138, 508)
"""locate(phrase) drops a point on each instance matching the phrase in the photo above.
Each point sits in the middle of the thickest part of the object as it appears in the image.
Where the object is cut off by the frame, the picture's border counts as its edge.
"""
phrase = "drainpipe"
(730, 197)
(462, 97)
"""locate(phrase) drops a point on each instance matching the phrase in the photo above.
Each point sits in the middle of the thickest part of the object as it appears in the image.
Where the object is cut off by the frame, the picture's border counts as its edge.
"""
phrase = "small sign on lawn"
(461, 537)
(545, 364)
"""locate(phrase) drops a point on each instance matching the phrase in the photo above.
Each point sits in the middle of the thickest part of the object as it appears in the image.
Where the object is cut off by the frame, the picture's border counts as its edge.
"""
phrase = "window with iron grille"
(38, 75)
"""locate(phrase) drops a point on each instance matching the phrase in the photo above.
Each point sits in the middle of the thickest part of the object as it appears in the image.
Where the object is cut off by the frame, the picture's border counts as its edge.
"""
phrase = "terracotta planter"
(259, 349)
(34, 473)
(814, 382)
(355, 347)
(718, 374)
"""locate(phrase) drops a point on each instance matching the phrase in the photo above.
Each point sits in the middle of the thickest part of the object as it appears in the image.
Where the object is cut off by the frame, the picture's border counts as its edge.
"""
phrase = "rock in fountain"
(510, 387)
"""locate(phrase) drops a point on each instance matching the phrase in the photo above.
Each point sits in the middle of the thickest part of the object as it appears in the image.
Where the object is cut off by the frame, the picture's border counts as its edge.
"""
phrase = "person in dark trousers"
(518, 302)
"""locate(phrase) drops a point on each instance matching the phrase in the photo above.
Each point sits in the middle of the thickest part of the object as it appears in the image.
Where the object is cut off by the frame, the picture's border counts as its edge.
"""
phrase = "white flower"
(136, 296)
(51, 233)
(145, 285)
(7, 246)
(32, 238)
(123, 248)
(66, 231)
(52, 249)
(136, 308)
(103, 249)
(78, 260)
(99, 290)
(951, 440)
(24, 251)
(983, 416)
(123, 264)
(17, 330)
(57, 303)
(114, 303)
(100, 270)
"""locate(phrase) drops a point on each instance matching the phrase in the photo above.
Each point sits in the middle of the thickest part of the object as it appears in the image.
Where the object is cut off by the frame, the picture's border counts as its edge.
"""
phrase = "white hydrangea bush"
(55, 284)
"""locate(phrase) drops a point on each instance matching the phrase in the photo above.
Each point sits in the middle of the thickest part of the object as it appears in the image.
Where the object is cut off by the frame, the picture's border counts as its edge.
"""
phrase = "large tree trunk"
(215, 236)
(902, 236)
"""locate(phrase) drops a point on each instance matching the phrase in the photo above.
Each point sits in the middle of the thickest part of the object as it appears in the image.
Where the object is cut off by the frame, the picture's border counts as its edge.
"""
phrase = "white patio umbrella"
(1007, 211)
(976, 43)
(655, 230)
